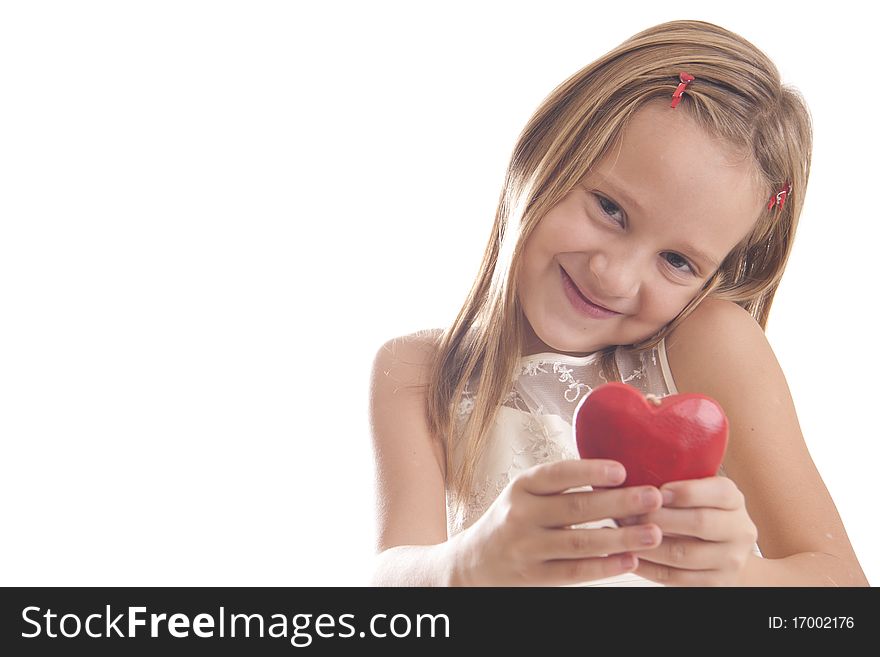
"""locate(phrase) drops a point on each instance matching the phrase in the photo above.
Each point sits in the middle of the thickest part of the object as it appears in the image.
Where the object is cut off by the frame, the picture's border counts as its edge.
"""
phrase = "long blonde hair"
(738, 97)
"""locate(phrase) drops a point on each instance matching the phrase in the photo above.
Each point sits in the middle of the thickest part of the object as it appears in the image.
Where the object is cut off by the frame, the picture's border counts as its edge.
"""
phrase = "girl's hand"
(707, 534)
(525, 537)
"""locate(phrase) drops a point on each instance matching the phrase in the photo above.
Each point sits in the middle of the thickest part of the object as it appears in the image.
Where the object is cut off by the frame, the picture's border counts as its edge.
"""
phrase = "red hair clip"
(779, 197)
(685, 81)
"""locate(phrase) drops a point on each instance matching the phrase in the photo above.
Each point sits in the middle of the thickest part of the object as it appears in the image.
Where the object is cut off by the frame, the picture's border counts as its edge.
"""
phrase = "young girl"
(646, 219)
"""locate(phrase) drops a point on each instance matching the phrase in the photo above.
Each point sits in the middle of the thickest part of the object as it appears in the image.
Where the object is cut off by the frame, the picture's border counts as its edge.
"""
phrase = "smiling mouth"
(583, 296)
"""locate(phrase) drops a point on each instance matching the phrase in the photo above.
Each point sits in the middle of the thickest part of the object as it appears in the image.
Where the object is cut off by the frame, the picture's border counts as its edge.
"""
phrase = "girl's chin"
(578, 345)
(562, 344)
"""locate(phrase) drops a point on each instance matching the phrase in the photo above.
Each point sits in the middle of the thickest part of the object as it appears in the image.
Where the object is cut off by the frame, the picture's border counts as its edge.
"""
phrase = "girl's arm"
(721, 351)
(410, 481)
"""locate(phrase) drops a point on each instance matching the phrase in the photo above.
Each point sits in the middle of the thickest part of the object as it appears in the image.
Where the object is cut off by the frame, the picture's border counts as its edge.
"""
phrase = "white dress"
(534, 425)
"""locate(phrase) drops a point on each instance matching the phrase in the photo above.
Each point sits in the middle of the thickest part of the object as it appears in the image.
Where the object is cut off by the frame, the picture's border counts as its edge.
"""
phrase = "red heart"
(677, 437)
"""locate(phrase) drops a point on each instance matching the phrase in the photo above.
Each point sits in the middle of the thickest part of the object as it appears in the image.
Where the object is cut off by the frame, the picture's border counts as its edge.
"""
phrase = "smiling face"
(639, 236)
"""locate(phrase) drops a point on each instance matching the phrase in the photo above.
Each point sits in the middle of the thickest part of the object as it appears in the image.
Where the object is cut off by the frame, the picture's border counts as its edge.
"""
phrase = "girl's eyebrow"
(690, 248)
(619, 191)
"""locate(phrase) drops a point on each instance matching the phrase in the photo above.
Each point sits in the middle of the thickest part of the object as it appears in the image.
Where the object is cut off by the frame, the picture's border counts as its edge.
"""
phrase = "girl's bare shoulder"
(721, 351)
(405, 359)
(719, 344)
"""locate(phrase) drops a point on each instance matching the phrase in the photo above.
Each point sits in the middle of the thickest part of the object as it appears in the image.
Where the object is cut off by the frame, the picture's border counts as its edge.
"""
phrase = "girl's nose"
(616, 276)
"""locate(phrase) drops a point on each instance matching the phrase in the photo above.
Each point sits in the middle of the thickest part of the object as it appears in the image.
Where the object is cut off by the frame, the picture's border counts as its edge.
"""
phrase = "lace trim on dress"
(575, 386)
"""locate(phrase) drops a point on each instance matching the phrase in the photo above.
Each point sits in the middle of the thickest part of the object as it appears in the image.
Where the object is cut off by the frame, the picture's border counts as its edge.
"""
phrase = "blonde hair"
(737, 96)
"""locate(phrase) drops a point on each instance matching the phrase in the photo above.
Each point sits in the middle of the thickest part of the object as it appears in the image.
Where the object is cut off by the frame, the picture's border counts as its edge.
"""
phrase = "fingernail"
(649, 497)
(667, 496)
(647, 537)
(627, 561)
(615, 472)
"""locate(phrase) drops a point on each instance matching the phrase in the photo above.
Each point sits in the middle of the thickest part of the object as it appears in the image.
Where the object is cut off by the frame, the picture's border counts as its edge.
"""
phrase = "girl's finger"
(702, 522)
(716, 492)
(560, 476)
(670, 576)
(576, 507)
(574, 571)
(687, 553)
(580, 543)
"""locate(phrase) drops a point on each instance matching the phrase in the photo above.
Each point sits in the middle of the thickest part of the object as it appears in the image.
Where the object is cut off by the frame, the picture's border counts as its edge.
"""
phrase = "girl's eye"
(609, 209)
(679, 264)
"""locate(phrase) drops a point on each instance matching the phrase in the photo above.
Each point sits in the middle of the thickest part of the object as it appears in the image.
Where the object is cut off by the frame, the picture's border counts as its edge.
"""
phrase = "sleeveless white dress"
(534, 425)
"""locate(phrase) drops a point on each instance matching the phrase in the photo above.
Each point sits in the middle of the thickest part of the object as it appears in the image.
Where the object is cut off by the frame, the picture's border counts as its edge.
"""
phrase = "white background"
(214, 213)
